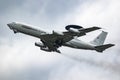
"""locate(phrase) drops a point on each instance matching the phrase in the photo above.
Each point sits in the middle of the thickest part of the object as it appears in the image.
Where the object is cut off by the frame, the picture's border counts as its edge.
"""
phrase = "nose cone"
(9, 25)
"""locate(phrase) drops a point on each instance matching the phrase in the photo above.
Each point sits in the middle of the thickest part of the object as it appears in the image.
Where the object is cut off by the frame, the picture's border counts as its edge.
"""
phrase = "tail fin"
(99, 40)
(103, 47)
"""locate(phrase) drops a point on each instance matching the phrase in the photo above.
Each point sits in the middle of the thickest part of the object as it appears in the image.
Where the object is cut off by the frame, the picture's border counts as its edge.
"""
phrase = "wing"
(55, 40)
(80, 32)
(86, 30)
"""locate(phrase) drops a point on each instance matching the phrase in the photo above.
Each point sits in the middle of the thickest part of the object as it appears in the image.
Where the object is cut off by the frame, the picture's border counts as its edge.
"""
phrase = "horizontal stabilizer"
(103, 47)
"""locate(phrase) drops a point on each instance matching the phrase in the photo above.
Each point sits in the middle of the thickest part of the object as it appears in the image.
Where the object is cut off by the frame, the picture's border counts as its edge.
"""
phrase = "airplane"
(50, 42)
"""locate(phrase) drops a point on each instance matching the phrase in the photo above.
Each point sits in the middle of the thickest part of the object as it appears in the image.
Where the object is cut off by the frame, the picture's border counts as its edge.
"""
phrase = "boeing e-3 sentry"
(52, 41)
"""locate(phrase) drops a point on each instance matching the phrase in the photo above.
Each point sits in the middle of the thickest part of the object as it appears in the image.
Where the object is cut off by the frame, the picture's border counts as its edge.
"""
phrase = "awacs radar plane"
(52, 41)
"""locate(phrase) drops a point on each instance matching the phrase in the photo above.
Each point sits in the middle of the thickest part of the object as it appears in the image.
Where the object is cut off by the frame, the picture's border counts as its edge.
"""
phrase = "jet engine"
(73, 28)
(45, 49)
(42, 46)
(58, 33)
(39, 44)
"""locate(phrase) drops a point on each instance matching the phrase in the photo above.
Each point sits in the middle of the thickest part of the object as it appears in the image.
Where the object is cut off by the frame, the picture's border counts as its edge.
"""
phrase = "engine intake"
(39, 44)
(45, 49)
(42, 46)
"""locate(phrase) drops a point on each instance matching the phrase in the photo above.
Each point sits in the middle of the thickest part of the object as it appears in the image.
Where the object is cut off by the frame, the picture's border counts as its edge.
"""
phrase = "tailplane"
(101, 48)
(99, 40)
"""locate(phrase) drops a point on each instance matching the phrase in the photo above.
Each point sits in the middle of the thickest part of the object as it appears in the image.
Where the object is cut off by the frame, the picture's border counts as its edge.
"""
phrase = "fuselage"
(23, 28)
(78, 44)
(29, 30)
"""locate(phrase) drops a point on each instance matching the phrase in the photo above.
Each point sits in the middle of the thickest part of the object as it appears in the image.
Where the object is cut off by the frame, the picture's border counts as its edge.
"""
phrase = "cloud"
(6, 5)
(20, 59)
(59, 8)
(82, 71)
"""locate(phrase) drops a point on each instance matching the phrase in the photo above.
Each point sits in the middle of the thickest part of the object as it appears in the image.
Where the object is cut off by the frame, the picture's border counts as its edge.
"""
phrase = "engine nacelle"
(58, 33)
(42, 46)
(45, 49)
(39, 44)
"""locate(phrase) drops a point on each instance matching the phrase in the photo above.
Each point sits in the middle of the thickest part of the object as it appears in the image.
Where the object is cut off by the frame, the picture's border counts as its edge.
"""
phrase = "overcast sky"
(21, 60)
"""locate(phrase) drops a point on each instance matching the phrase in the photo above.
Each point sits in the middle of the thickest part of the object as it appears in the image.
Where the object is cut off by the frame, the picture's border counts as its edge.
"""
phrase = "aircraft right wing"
(86, 30)
(78, 31)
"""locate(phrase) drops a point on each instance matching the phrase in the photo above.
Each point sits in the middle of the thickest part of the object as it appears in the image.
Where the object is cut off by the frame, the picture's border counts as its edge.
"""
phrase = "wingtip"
(112, 45)
(97, 27)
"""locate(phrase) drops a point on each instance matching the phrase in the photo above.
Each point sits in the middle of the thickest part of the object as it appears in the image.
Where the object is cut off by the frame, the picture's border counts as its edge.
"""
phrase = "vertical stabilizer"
(99, 40)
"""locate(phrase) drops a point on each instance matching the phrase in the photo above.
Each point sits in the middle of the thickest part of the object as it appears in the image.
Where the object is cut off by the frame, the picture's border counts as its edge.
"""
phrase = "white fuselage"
(76, 43)
(18, 27)
(29, 30)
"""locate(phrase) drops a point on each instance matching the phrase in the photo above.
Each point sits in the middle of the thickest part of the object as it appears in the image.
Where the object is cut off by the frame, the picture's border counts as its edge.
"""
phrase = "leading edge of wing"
(86, 30)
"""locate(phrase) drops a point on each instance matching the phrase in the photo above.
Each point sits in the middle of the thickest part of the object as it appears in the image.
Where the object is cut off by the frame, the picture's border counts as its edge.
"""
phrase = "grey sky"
(21, 60)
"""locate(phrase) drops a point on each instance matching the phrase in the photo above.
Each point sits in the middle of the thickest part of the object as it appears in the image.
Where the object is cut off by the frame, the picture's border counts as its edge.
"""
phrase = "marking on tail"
(99, 40)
